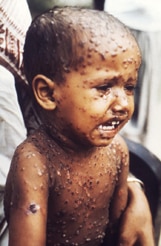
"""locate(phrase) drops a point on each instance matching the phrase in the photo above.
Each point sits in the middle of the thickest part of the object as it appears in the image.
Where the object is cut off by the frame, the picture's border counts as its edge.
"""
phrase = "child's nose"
(120, 103)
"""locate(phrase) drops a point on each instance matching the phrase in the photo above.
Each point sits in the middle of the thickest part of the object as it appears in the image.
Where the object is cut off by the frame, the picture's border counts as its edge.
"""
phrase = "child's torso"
(79, 200)
(81, 187)
(80, 191)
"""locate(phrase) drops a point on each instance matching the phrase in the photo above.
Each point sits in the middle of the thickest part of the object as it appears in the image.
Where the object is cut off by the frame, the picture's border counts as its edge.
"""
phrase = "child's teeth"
(109, 127)
(115, 122)
(101, 127)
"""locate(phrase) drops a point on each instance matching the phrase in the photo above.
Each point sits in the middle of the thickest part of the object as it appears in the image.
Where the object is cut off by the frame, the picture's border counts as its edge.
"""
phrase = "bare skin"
(76, 189)
(74, 213)
(67, 182)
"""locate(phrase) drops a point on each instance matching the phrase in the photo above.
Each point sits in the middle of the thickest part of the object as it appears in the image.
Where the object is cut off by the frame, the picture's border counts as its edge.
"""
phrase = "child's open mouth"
(110, 125)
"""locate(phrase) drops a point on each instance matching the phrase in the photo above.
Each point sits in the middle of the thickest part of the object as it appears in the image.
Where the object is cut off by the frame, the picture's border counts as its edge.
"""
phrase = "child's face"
(97, 100)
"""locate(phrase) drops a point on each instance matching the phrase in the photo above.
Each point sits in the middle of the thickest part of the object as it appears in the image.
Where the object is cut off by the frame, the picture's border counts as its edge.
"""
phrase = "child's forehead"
(114, 48)
(112, 44)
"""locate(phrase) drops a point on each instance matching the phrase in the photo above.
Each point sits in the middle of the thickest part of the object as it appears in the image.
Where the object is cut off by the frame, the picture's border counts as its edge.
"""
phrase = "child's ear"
(43, 89)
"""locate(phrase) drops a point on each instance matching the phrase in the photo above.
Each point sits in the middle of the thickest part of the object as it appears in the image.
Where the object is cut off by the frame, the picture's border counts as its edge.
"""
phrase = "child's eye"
(104, 88)
(130, 88)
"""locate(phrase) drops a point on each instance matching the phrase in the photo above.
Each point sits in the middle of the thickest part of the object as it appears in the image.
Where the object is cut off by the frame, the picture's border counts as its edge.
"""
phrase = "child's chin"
(104, 142)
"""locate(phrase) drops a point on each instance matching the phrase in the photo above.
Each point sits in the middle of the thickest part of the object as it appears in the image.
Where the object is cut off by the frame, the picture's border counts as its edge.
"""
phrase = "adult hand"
(136, 226)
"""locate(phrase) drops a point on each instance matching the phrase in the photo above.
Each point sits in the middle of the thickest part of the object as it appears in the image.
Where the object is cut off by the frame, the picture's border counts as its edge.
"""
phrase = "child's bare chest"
(80, 199)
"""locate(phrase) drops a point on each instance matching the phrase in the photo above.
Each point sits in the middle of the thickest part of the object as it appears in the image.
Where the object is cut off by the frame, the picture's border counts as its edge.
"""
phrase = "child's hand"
(136, 226)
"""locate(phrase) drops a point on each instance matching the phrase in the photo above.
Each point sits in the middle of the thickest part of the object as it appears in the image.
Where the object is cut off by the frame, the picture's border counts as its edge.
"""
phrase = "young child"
(67, 183)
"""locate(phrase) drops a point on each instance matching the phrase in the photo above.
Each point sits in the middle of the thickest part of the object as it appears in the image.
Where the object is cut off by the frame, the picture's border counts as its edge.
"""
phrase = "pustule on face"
(88, 113)
(130, 55)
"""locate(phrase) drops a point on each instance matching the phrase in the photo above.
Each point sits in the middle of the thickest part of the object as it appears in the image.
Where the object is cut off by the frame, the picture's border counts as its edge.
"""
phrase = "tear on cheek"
(33, 208)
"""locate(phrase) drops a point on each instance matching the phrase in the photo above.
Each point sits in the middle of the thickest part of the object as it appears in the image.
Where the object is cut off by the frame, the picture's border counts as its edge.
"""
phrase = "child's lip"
(111, 127)
(112, 123)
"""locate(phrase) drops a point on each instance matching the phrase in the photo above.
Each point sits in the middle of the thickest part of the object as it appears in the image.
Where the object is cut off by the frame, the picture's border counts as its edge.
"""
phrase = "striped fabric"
(15, 19)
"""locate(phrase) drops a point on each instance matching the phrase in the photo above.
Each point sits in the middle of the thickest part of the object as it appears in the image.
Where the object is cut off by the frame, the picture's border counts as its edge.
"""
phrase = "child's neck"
(68, 144)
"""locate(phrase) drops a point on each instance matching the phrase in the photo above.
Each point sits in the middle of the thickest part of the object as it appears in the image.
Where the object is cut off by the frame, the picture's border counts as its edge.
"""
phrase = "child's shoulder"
(37, 148)
(120, 142)
(29, 163)
(36, 142)
(119, 146)
(30, 150)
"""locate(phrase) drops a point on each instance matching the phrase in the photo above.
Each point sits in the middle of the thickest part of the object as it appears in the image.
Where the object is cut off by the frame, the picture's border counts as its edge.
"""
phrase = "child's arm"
(27, 191)
(136, 224)
(120, 197)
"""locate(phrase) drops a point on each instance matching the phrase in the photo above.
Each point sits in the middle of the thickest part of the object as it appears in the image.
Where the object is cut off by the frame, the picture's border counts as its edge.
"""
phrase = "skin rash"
(68, 179)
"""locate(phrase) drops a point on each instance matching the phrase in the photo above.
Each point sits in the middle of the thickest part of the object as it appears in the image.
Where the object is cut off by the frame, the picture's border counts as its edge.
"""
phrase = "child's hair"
(58, 40)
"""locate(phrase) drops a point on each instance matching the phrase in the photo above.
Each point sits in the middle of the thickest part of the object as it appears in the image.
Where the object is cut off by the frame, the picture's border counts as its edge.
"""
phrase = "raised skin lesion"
(81, 214)
(33, 208)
